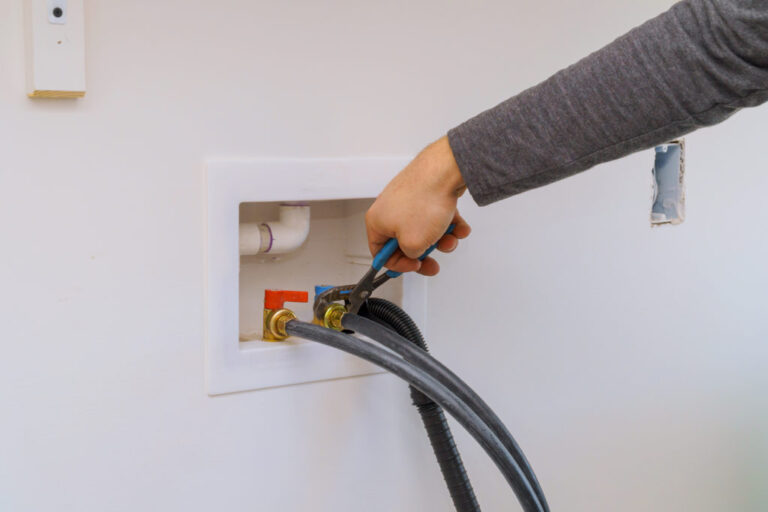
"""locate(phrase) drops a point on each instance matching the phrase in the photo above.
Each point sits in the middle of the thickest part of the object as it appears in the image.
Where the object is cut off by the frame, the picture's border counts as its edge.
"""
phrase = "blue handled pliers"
(357, 294)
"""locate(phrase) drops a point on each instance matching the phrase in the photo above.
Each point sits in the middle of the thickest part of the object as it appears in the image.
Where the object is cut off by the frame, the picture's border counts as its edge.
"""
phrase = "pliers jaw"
(324, 299)
(362, 290)
(353, 295)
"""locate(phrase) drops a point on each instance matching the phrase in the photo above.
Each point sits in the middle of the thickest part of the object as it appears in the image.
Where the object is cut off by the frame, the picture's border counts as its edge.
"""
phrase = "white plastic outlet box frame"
(234, 366)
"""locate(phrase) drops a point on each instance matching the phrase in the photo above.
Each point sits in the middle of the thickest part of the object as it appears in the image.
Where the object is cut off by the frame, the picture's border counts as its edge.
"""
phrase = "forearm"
(690, 67)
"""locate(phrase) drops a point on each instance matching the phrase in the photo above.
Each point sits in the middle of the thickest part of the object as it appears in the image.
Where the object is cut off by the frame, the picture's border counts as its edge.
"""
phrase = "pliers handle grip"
(391, 246)
(358, 293)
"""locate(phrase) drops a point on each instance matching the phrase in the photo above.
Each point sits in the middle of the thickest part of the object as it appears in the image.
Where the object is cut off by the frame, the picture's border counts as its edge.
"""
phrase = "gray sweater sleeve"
(692, 66)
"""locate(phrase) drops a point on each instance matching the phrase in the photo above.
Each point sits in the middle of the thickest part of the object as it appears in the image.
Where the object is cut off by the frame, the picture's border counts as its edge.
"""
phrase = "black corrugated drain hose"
(435, 423)
(390, 315)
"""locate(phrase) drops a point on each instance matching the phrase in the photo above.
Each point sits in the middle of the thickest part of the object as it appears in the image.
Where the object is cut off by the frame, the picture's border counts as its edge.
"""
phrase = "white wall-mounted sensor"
(55, 48)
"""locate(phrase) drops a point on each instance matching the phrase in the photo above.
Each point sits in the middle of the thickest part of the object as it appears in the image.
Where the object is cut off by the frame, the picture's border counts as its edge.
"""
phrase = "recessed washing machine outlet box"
(338, 192)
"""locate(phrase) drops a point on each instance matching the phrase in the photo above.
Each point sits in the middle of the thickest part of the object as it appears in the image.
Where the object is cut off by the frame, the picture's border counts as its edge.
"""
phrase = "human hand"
(417, 207)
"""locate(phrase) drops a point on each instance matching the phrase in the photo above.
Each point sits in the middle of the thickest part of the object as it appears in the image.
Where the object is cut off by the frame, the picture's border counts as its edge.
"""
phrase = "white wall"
(634, 384)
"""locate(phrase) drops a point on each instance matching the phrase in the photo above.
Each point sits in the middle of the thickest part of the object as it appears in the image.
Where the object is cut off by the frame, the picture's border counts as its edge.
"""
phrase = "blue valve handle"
(391, 246)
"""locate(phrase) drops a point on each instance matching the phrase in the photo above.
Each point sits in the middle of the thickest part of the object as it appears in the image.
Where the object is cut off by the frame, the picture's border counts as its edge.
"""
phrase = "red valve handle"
(274, 299)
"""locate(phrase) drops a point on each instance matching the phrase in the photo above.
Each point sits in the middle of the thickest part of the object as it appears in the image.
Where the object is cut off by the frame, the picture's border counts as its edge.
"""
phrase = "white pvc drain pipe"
(280, 237)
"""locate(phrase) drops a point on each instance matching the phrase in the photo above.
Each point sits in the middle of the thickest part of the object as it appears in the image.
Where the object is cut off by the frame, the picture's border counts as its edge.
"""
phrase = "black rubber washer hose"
(421, 379)
(399, 321)
(435, 423)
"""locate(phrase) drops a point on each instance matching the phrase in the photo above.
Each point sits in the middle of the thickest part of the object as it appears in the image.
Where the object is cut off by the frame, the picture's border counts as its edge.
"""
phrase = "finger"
(413, 244)
(399, 262)
(377, 237)
(375, 241)
(448, 243)
(462, 229)
(429, 267)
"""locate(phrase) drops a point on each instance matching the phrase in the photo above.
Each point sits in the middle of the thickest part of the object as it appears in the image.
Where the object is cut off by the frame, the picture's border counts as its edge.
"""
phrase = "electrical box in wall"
(337, 192)
(55, 48)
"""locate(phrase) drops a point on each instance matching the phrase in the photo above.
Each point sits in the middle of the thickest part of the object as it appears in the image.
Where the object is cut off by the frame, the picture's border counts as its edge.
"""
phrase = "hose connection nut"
(274, 324)
(276, 316)
(332, 316)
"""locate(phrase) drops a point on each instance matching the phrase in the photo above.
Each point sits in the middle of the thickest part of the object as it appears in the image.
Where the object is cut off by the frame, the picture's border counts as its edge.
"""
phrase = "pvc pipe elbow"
(284, 236)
